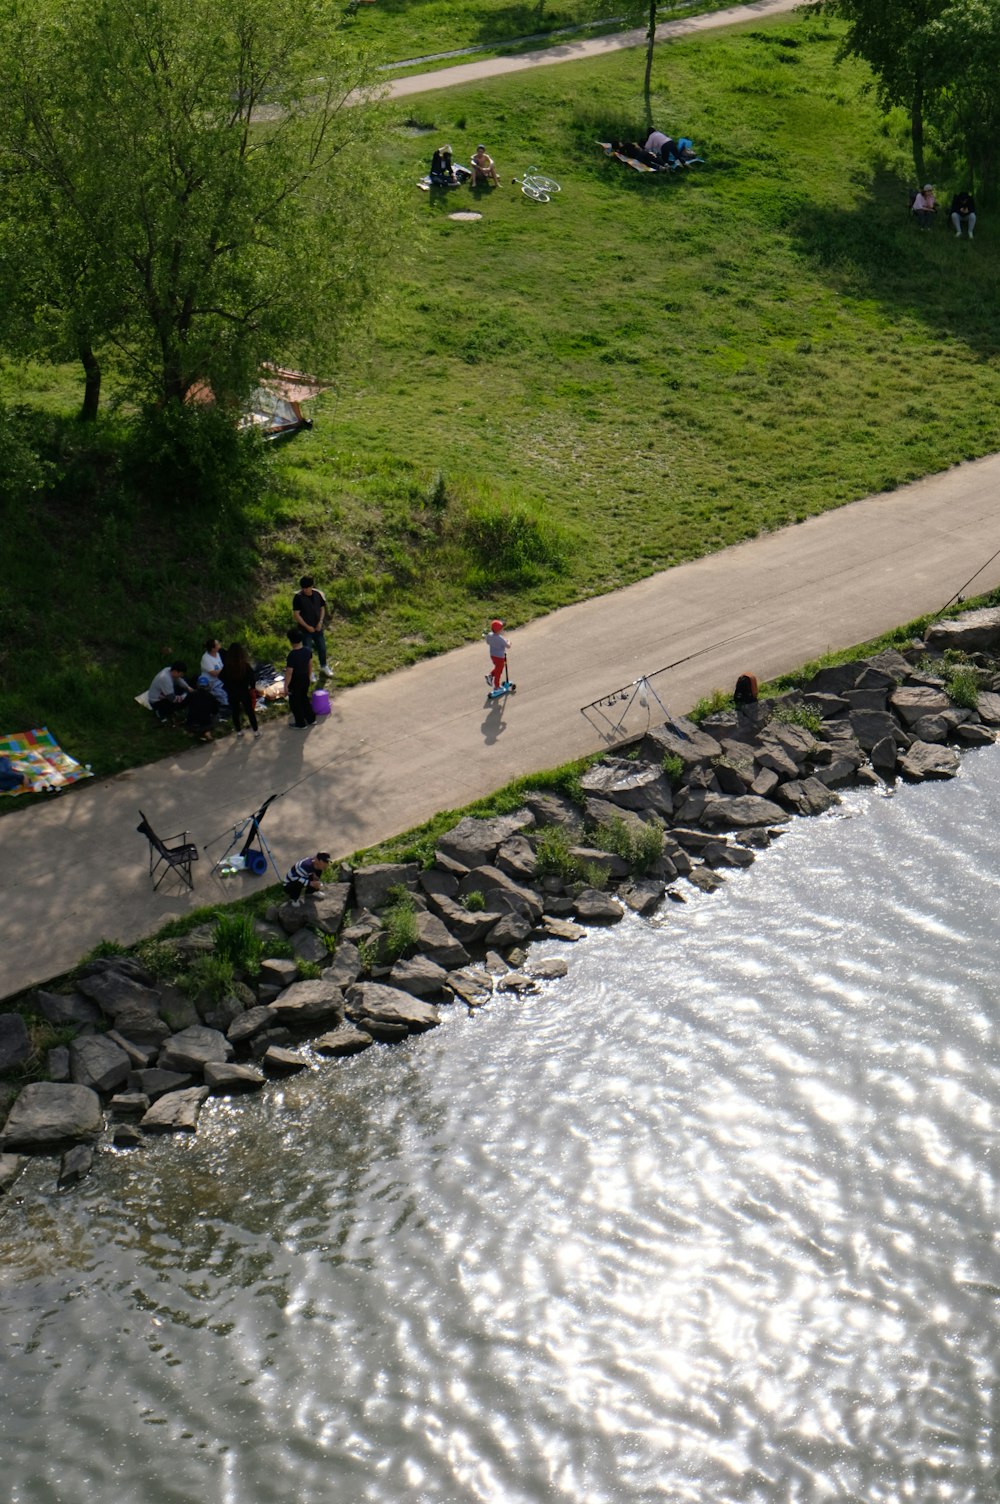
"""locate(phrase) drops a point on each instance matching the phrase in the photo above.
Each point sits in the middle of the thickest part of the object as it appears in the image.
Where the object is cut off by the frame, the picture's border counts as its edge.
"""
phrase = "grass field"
(561, 398)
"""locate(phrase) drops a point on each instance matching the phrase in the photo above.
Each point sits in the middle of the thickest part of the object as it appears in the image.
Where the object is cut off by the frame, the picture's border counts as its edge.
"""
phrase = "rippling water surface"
(713, 1219)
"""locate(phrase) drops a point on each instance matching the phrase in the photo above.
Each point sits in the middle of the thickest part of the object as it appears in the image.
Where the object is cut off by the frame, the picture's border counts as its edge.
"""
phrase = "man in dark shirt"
(963, 212)
(306, 876)
(298, 667)
(309, 610)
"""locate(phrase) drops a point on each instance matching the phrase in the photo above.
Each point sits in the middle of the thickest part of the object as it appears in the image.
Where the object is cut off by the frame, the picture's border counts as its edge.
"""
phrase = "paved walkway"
(589, 47)
(72, 871)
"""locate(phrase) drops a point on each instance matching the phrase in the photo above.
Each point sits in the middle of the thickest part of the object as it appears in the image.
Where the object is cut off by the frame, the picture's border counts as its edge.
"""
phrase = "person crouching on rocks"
(306, 876)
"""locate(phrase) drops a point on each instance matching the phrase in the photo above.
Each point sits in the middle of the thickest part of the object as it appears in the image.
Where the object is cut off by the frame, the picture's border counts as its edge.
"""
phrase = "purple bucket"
(321, 702)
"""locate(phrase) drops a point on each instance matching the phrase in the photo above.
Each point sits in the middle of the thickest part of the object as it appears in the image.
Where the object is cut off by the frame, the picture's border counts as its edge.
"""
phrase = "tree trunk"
(650, 43)
(917, 132)
(92, 387)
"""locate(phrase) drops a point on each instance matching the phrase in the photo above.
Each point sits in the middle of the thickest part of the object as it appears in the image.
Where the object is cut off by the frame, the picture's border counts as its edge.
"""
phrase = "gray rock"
(738, 814)
(278, 970)
(67, 1009)
(765, 783)
(156, 1082)
(307, 1003)
(282, 1062)
(381, 1010)
(345, 967)
(11, 1166)
(309, 947)
(115, 990)
(99, 1063)
(227, 1080)
(126, 966)
(807, 796)
(177, 1011)
(548, 969)
(140, 1055)
(475, 843)
(372, 884)
(517, 982)
(342, 1041)
(48, 1113)
(931, 728)
(15, 1042)
(551, 809)
(988, 707)
(865, 699)
(834, 774)
(418, 976)
(632, 785)
(705, 879)
(972, 735)
(438, 883)
(643, 895)
(798, 742)
(75, 1164)
(757, 838)
(974, 630)
(472, 985)
(883, 754)
(175, 1112)
(324, 912)
(876, 679)
(58, 1063)
(681, 738)
(872, 726)
(594, 907)
(836, 679)
(197, 942)
(923, 760)
(468, 926)
(495, 963)
(191, 1049)
(722, 854)
(559, 929)
(889, 663)
(912, 702)
(249, 1024)
(517, 859)
(777, 760)
(126, 1136)
(437, 943)
(220, 1016)
(692, 804)
(129, 1104)
(829, 706)
(602, 861)
(510, 929)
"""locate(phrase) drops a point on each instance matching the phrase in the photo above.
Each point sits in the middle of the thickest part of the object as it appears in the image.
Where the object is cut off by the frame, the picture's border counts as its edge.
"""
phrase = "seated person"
(202, 708)
(686, 152)
(168, 691)
(483, 168)
(442, 173)
(662, 148)
(925, 206)
(211, 666)
(306, 875)
(10, 778)
(963, 212)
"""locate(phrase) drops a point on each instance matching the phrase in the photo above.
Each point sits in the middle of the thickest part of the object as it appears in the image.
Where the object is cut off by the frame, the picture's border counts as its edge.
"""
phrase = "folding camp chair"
(172, 858)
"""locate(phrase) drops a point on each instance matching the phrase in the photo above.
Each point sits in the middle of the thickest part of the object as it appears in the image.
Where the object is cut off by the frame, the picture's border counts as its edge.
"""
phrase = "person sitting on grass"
(202, 708)
(963, 212)
(306, 876)
(442, 173)
(10, 778)
(483, 168)
(660, 149)
(211, 666)
(168, 691)
(925, 206)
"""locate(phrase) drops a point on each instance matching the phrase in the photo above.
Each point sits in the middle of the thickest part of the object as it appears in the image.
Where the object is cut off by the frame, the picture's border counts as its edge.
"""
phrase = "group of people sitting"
(446, 173)
(660, 151)
(962, 213)
(225, 686)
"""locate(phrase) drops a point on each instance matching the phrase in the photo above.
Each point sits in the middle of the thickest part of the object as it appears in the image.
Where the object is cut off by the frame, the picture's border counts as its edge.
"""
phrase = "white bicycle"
(536, 187)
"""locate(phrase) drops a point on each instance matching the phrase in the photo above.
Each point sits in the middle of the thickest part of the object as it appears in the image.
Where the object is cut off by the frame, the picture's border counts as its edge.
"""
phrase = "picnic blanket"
(40, 758)
(620, 156)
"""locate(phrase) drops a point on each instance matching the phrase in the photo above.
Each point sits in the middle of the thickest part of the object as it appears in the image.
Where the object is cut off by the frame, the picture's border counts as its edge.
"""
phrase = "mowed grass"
(560, 398)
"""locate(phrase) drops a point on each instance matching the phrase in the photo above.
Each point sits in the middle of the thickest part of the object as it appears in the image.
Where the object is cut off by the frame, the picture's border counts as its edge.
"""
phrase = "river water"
(713, 1220)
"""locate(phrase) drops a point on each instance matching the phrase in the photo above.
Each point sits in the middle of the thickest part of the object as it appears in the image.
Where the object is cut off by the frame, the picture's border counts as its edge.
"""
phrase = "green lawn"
(560, 398)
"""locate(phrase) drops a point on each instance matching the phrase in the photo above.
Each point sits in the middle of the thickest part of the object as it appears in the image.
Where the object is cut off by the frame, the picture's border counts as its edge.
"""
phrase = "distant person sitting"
(661, 147)
(306, 876)
(686, 153)
(211, 667)
(963, 212)
(442, 173)
(168, 691)
(10, 778)
(925, 206)
(202, 707)
(483, 168)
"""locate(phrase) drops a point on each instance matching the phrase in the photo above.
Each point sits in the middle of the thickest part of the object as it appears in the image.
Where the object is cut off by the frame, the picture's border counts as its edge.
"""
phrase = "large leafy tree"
(191, 184)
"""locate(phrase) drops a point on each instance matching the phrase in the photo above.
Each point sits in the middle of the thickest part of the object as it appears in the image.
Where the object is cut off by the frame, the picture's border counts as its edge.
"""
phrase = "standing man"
(298, 672)
(309, 610)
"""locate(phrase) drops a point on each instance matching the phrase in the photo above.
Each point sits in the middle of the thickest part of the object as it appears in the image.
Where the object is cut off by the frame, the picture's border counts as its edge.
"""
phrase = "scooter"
(506, 688)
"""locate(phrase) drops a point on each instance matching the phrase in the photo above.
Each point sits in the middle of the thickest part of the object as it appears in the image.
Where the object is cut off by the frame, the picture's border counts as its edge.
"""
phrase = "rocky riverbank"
(387, 946)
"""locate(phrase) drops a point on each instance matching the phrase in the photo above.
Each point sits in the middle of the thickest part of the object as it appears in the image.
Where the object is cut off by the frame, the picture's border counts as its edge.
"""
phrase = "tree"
(636, 13)
(198, 199)
(963, 51)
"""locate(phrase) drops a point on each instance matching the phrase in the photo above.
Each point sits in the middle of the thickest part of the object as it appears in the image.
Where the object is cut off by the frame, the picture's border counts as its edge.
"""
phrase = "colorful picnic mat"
(43, 762)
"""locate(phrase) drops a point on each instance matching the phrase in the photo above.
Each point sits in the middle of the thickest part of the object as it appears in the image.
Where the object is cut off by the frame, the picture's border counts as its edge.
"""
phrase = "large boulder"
(46, 1114)
(325, 911)
(594, 907)
(99, 1063)
(345, 967)
(155, 1082)
(418, 975)
(889, 663)
(988, 706)
(67, 1009)
(344, 1040)
(176, 1112)
(308, 947)
(225, 1079)
(679, 737)
(912, 702)
(192, 1049)
(836, 679)
(474, 843)
(468, 926)
(305, 1004)
(743, 812)
(975, 630)
(808, 796)
(373, 884)
(516, 857)
(551, 809)
(437, 943)
(388, 1013)
(500, 892)
(76, 1163)
(15, 1041)
(250, 1024)
(632, 785)
(872, 726)
(114, 989)
(923, 760)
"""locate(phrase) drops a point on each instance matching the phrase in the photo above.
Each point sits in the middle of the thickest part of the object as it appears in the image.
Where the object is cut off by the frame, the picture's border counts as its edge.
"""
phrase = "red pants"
(498, 668)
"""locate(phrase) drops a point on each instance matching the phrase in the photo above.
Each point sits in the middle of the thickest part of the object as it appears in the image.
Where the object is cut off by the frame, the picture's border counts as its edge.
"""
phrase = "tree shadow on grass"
(876, 251)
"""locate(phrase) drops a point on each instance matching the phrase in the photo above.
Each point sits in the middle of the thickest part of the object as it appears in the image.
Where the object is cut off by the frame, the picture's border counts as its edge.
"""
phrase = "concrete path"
(577, 51)
(395, 752)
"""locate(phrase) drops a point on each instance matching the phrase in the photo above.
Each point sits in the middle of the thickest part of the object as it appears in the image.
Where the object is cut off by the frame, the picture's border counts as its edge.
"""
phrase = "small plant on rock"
(789, 714)
(309, 971)
(238, 942)
(399, 925)
(210, 979)
(711, 704)
(475, 901)
(647, 848)
(368, 954)
(553, 853)
(673, 767)
(594, 876)
(962, 686)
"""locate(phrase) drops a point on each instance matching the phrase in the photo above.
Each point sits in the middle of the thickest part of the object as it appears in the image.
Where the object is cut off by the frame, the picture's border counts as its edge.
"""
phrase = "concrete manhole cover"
(465, 214)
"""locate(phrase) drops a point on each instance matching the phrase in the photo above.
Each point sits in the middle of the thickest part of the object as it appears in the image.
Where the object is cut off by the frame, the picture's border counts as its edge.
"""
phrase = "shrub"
(160, 957)
(475, 901)
(648, 848)
(237, 942)
(640, 847)
(594, 876)
(368, 954)
(962, 686)
(209, 979)
(711, 705)
(308, 971)
(510, 544)
(553, 853)
(399, 925)
(614, 836)
(673, 766)
(790, 714)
